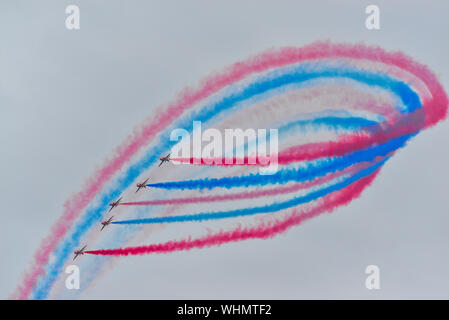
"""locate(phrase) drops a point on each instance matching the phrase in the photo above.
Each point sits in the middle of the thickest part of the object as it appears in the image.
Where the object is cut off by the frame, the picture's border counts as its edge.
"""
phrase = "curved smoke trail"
(420, 102)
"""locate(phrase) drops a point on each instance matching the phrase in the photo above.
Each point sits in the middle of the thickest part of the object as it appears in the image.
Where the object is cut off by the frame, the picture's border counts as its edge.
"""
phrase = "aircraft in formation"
(142, 185)
(106, 222)
(79, 252)
(113, 204)
(164, 159)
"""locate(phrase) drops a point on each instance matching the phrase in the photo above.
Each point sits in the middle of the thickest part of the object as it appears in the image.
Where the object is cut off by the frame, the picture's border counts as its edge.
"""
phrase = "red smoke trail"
(262, 231)
(347, 143)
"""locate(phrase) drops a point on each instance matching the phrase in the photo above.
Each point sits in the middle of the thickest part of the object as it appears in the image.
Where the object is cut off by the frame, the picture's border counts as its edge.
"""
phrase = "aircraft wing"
(83, 247)
(103, 227)
(76, 255)
(162, 161)
(138, 188)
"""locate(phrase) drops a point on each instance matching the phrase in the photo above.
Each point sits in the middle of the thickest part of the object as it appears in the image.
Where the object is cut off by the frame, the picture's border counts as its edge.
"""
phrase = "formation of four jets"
(113, 204)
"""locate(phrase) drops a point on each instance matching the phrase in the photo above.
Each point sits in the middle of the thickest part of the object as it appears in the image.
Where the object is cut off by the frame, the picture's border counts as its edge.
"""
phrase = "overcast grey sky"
(69, 97)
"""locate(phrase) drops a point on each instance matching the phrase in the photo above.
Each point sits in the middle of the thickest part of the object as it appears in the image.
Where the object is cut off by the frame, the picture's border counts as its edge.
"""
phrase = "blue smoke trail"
(345, 123)
(309, 172)
(277, 206)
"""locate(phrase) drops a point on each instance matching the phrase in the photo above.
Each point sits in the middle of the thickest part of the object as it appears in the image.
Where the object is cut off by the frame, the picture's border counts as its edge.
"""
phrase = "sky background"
(67, 98)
